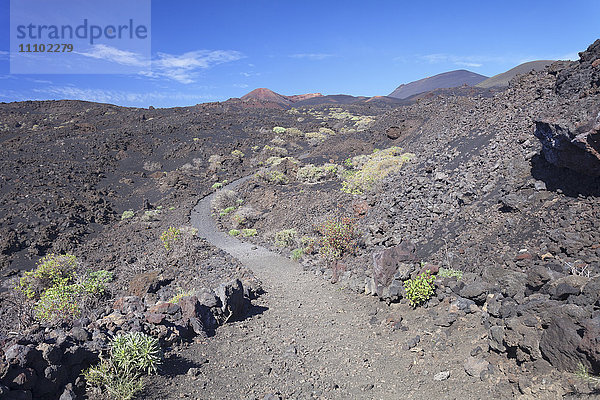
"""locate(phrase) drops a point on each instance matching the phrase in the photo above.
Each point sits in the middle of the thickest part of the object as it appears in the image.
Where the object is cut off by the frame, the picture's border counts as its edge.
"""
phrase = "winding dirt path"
(313, 341)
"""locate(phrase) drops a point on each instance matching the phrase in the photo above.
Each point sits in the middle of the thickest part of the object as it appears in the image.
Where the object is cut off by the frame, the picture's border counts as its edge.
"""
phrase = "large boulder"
(394, 263)
(576, 148)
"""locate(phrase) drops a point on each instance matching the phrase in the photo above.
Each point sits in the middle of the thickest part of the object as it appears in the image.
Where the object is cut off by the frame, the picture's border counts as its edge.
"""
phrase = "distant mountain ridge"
(440, 81)
(268, 98)
(267, 95)
(501, 80)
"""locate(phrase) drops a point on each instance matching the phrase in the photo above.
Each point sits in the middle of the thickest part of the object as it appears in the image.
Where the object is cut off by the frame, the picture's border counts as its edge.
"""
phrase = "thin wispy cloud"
(120, 97)
(473, 61)
(112, 54)
(4, 55)
(312, 56)
(184, 68)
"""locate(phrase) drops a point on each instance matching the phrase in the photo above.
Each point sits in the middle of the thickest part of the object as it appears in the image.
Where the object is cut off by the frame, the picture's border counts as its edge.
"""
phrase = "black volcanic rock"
(444, 80)
(574, 148)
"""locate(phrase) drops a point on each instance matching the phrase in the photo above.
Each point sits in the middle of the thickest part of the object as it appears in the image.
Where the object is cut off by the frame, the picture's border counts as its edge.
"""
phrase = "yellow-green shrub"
(370, 169)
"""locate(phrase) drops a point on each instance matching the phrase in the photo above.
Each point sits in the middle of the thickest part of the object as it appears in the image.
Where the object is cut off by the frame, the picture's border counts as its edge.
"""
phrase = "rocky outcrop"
(574, 148)
(47, 364)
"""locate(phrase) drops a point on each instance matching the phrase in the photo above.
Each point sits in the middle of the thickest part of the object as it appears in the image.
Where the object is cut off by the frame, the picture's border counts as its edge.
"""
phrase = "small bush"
(370, 169)
(450, 273)
(326, 131)
(274, 177)
(297, 254)
(169, 237)
(52, 270)
(248, 232)
(294, 131)
(420, 289)
(95, 282)
(106, 377)
(237, 153)
(339, 237)
(217, 185)
(224, 199)
(64, 300)
(136, 351)
(120, 375)
(583, 373)
(180, 295)
(311, 174)
(60, 302)
(279, 129)
(286, 238)
(226, 211)
(127, 214)
(234, 232)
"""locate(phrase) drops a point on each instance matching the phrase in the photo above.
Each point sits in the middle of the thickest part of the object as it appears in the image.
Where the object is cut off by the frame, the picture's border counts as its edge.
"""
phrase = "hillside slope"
(444, 80)
(501, 80)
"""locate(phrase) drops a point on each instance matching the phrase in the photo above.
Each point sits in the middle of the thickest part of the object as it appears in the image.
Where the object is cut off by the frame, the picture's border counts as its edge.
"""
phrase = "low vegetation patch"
(368, 170)
(286, 238)
(248, 232)
(60, 294)
(273, 177)
(127, 214)
(169, 237)
(420, 289)
(311, 174)
(120, 375)
(450, 273)
(279, 129)
(234, 232)
(339, 236)
(297, 254)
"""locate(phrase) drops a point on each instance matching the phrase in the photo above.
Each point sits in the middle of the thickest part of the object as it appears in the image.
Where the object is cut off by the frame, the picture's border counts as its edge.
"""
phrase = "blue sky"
(212, 50)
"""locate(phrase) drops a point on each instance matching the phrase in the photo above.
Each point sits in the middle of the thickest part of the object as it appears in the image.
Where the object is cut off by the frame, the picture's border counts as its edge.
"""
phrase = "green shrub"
(450, 273)
(583, 373)
(136, 351)
(237, 153)
(95, 282)
(370, 169)
(226, 211)
(51, 270)
(217, 185)
(120, 375)
(59, 303)
(294, 131)
(311, 174)
(286, 238)
(127, 214)
(64, 300)
(248, 232)
(297, 254)
(339, 237)
(326, 131)
(234, 232)
(420, 289)
(106, 377)
(274, 177)
(169, 237)
(180, 295)
(279, 129)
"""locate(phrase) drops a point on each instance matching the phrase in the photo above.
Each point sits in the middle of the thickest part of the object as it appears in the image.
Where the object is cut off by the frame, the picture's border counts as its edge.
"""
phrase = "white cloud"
(120, 97)
(112, 54)
(312, 56)
(181, 68)
(240, 85)
(184, 68)
(473, 61)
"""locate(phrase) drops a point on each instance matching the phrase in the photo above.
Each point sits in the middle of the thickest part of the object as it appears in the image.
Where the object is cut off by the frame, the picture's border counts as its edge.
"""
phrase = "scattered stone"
(475, 366)
(441, 376)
